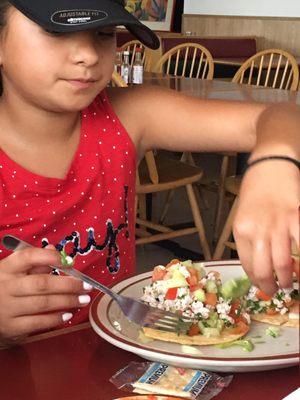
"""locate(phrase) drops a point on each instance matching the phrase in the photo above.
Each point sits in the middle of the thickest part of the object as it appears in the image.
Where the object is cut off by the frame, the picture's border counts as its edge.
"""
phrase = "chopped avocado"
(66, 260)
(220, 325)
(199, 266)
(199, 294)
(215, 323)
(187, 263)
(202, 325)
(214, 316)
(178, 280)
(247, 345)
(210, 332)
(235, 288)
(272, 331)
(211, 287)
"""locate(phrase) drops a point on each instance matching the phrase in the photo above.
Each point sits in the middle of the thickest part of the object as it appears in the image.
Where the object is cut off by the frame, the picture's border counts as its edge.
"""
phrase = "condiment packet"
(158, 378)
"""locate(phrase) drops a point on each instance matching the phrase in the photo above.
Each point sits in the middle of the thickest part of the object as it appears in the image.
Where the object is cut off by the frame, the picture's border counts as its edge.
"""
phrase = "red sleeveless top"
(90, 213)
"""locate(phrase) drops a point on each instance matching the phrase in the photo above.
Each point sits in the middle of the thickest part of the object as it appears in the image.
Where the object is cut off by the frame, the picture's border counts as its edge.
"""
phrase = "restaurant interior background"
(260, 25)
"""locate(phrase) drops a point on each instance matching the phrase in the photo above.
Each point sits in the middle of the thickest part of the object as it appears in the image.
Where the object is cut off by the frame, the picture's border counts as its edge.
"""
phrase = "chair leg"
(198, 221)
(186, 157)
(227, 230)
(221, 196)
(166, 206)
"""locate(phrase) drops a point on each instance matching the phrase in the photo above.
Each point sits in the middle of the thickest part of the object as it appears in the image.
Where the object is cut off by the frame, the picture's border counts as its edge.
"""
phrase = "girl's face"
(56, 72)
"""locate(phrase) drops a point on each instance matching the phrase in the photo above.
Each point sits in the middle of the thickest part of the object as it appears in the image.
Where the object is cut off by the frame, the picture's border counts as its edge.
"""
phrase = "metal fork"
(135, 310)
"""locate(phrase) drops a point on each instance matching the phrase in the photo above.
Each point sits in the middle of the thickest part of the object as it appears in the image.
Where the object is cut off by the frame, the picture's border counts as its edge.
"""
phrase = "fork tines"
(164, 320)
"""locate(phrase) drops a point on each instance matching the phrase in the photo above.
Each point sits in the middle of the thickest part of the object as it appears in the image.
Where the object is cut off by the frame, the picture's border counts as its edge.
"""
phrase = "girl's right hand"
(32, 299)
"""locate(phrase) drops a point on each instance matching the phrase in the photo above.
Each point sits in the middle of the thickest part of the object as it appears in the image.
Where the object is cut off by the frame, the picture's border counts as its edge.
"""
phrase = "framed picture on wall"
(156, 14)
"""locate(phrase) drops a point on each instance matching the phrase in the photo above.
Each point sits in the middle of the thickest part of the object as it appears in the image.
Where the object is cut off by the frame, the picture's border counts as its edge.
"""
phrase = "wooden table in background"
(76, 364)
(238, 61)
(218, 89)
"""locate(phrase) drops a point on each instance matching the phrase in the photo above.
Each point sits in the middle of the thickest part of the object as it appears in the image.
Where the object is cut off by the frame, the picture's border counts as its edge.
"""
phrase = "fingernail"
(87, 286)
(84, 299)
(67, 316)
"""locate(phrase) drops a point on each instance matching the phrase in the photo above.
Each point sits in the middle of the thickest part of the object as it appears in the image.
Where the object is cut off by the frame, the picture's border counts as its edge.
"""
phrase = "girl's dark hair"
(4, 6)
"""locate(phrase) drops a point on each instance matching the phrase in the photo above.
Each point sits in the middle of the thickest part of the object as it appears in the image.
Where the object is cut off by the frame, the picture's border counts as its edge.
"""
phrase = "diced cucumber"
(211, 287)
(187, 263)
(214, 316)
(202, 326)
(220, 325)
(199, 294)
(178, 280)
(235, 288)
(215, 323)
(211, 332)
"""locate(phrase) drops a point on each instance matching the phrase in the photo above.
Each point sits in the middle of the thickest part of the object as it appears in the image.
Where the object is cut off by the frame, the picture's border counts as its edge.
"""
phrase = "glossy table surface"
(223, 90)
(76, 364)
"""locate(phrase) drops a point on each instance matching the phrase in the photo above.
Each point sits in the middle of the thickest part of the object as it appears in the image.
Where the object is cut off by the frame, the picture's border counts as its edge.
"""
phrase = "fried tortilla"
(279, 319)
(198, 340)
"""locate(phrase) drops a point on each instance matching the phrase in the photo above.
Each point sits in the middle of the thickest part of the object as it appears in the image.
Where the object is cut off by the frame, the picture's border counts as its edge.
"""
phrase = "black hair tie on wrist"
(267, 158)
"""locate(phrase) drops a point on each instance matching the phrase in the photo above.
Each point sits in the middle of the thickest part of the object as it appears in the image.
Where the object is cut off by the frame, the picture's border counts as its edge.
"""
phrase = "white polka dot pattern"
(90, 212)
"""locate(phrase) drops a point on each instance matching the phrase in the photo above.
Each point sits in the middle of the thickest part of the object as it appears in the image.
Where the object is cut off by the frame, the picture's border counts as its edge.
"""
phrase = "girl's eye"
(54, 34)
(110, 34)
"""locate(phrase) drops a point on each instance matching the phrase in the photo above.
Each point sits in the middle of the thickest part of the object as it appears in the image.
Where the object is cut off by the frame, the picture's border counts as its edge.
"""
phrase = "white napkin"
(294, 395)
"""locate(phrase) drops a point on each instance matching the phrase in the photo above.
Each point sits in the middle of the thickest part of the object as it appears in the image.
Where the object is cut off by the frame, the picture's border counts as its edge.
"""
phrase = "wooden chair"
(159, 173)
(189, 59)
(273, 68)
(269, 68)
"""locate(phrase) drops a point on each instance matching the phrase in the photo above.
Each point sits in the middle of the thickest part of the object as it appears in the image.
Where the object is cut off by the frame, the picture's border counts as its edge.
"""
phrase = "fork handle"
(13, 243)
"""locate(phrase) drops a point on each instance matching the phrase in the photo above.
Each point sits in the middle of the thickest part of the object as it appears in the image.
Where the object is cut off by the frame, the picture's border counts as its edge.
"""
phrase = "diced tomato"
(240, 318)
(196, 287)
(271, 311)
(262, 295)
(192, 280)
(194, 330)
(158, 274)
(234, 307)
(171, 293)
(211, 299)
(172, 262)
(240, 328)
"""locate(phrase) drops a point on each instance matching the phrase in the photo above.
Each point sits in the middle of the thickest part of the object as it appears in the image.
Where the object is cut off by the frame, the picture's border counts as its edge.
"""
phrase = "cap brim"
(49, 15)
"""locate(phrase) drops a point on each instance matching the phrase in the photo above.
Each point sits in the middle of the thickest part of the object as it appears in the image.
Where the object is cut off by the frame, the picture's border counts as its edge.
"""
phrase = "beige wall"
(270, 32)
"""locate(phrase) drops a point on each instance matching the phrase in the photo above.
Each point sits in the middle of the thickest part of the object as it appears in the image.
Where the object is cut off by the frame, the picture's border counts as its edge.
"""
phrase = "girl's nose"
(84, 49)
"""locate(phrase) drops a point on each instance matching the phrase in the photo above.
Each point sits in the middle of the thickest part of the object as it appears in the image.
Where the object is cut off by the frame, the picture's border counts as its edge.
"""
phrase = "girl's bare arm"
(267, 220)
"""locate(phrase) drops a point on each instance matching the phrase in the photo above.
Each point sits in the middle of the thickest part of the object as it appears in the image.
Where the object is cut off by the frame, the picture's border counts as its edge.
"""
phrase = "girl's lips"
(81, 84)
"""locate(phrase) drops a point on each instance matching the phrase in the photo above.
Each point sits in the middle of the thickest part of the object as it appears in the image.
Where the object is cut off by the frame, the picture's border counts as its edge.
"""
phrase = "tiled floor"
(151, 255)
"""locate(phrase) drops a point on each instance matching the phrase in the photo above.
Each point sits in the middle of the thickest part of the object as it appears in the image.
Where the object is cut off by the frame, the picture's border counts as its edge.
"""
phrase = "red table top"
(77, 365)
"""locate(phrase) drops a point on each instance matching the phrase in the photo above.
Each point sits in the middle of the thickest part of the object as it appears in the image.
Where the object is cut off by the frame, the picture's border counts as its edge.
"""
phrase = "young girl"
(68, 157)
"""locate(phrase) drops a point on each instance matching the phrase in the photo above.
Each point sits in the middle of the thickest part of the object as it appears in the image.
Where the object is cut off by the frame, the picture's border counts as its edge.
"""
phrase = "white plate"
(273, 354)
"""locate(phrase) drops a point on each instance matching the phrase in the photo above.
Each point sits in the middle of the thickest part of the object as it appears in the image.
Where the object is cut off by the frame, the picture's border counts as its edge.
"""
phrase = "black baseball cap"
(64, 16)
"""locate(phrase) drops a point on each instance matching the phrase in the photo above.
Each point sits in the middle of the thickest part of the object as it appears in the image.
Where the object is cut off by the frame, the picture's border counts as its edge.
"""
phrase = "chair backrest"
(149, 156)
(189, 59)
(269, 68)
(117, 80)
(131, 47)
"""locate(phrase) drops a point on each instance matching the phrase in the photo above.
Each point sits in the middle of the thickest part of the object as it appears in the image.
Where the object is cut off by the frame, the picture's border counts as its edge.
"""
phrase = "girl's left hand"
(267, 222)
